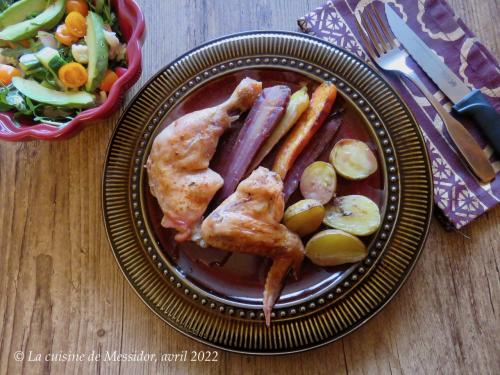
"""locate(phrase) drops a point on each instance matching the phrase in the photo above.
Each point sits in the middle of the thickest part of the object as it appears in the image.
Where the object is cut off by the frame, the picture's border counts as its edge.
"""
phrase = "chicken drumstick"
(177, 166)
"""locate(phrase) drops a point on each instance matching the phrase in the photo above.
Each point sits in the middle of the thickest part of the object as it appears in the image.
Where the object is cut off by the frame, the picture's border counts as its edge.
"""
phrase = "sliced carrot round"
(109, 79)
(63, 36)
(76, 24)
(73, 75)
(79, 6)
(8, 72)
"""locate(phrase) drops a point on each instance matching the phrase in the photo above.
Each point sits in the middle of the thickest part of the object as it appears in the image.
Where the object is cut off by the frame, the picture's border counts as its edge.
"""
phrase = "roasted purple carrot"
(265, 114)
(313, 150)
(296, 106)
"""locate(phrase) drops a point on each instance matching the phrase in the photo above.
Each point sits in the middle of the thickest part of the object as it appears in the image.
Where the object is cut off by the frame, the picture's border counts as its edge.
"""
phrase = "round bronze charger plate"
(323, 306)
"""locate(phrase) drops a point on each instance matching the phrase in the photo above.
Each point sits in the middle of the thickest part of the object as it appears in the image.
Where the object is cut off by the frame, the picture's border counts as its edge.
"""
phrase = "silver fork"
(382, 47)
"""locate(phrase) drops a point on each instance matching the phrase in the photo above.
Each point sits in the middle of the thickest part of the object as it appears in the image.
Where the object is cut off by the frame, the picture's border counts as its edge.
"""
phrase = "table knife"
(466, 102)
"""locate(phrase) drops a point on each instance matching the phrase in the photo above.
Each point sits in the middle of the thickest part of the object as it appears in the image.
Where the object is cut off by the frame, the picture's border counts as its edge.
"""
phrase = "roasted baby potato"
(353, 159)
(319, 181)
(332, 247)
(304, 217)
(355, 214)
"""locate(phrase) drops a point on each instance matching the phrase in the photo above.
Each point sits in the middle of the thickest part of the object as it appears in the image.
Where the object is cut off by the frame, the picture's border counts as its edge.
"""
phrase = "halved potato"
(304, 217)
(319, 181)
(355, 214)
(332, 247)
(353, 159)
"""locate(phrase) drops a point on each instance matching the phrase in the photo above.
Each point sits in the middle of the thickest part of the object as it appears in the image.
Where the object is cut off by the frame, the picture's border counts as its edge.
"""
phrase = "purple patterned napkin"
(459, 195)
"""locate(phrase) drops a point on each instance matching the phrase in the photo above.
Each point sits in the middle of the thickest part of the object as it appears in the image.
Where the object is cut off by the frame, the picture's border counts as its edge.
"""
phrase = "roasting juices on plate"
(250, 213)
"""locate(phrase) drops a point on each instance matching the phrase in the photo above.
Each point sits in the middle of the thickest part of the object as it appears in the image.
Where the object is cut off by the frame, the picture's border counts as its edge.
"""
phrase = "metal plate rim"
(124, 270)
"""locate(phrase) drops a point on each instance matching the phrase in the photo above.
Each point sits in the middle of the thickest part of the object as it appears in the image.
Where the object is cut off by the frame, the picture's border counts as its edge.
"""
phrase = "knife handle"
(484, 116)
(470, 150)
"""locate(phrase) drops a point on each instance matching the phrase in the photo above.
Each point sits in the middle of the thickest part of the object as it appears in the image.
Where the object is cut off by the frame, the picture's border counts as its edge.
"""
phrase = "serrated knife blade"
(426, 58)
(468, 102)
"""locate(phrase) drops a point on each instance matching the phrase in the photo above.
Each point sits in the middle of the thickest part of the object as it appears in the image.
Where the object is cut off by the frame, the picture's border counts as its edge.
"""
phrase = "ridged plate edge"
(392, 256)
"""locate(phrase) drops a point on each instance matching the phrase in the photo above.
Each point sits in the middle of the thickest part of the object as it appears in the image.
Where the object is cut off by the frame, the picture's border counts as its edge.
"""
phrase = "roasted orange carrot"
(322, 143)
(302, 133)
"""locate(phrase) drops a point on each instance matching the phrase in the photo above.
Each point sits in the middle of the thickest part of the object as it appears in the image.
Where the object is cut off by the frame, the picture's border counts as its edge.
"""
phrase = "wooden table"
(62, 292)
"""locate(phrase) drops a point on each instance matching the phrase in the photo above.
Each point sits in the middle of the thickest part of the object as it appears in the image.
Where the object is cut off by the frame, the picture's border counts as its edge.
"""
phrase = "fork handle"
(470, 150)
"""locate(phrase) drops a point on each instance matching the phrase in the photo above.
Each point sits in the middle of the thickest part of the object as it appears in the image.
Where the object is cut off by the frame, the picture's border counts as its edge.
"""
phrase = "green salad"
(57, 57)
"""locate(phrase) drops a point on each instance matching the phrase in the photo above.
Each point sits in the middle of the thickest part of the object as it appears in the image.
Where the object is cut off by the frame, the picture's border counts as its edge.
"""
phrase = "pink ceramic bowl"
(131, 21)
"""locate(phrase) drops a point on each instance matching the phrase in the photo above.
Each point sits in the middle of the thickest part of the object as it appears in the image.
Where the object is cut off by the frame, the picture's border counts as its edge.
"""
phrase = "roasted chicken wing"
(177, 166)
(248, 221)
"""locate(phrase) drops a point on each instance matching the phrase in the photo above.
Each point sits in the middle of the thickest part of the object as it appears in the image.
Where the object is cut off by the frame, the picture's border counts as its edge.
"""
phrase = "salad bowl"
(131, 22)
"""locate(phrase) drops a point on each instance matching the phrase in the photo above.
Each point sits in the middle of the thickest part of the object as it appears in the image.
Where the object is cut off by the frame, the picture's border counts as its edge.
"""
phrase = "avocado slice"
(42, 94)
(21, 10)
(28, 28)
(98, 51)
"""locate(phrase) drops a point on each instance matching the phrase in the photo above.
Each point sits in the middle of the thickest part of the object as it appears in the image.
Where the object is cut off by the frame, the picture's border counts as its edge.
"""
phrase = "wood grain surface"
(61, 291)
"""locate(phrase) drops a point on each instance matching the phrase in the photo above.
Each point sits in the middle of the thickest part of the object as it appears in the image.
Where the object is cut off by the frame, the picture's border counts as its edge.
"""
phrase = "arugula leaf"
(19, 51)
(12, 100)
(4, 4)
(4, 104)
(56, 116)
(22, 104)
(107, 14)
(65, 53)
(48, 120)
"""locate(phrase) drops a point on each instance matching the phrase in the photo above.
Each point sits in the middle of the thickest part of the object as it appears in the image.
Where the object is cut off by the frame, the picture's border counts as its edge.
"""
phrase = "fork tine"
(376, 28)
(366, 42)
(385, 30)
(371, 36)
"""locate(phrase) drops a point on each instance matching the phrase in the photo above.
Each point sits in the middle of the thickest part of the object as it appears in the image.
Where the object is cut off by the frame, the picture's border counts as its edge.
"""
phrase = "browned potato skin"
(304, 217)
(332, 247)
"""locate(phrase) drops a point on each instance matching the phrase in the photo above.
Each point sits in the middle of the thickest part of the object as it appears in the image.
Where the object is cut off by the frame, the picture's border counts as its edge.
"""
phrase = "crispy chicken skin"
(248, 221)
(177, 166)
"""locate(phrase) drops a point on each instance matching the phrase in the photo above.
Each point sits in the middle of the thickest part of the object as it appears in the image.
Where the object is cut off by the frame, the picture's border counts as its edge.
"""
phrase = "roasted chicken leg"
(177, 166)
(248, 221)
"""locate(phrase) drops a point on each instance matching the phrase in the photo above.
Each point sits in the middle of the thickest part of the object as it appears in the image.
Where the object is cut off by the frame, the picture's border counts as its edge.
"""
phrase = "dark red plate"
(241, 277)
(215, 297)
